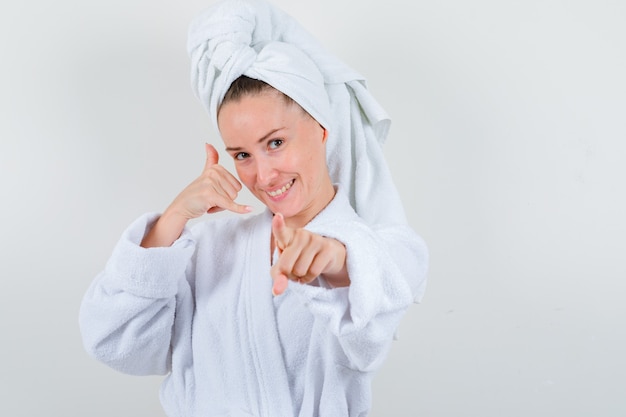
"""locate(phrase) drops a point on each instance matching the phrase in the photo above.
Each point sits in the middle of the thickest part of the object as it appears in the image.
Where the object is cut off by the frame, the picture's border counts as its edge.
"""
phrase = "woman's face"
(279, 154)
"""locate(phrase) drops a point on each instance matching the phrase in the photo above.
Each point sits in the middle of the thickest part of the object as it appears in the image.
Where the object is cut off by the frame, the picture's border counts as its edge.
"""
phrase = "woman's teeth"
(278, 192)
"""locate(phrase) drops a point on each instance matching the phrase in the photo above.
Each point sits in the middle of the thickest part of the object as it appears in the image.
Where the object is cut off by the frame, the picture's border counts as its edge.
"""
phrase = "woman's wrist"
(165, 230)
(338, 276)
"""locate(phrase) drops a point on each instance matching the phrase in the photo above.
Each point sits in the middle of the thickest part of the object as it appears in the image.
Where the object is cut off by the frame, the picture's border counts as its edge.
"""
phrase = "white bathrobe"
(202, 312)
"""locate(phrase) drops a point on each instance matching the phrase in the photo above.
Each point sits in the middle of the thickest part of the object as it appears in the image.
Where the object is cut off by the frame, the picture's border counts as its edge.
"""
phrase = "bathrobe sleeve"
(387, 268)
(127, 314)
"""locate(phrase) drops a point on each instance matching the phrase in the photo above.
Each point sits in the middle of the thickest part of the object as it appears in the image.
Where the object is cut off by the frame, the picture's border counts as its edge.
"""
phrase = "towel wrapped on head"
(255, 39)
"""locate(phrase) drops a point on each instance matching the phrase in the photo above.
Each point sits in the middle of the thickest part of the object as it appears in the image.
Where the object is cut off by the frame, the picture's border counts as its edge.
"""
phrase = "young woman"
(284, 313)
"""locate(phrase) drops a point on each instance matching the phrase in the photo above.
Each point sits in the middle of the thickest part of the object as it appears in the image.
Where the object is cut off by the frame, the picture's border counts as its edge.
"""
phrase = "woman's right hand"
(214, 190)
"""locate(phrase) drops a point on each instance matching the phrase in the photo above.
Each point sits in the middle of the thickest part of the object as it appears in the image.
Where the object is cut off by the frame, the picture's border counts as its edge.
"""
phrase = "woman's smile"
(279, 194)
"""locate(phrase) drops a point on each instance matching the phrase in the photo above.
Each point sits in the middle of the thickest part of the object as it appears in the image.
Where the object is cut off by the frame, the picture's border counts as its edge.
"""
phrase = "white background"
(508, 147)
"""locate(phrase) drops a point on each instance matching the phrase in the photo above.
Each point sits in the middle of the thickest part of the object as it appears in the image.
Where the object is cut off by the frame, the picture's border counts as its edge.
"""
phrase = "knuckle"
(300, 271)
(211, 173)
(315, 271)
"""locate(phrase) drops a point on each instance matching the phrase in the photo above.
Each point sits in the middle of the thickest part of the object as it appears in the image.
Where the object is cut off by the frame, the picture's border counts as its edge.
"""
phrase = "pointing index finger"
(282, 233)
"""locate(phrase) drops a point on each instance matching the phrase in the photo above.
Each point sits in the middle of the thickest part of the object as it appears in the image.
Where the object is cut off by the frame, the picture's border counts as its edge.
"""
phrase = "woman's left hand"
(303, 256)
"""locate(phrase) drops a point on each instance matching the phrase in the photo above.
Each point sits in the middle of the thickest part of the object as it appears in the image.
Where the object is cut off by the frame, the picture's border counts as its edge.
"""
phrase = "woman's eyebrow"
(262, 139)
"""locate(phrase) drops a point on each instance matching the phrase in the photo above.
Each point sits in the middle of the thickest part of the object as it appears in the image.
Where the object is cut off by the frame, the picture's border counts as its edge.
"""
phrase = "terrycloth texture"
(202, 311)
(253, 38)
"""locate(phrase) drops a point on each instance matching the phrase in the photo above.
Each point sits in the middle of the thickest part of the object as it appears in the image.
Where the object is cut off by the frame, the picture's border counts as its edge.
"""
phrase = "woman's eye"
(275, 143)
(241, 156)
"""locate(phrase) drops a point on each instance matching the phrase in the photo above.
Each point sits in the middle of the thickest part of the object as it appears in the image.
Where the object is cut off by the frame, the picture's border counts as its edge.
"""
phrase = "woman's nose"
(266, 173)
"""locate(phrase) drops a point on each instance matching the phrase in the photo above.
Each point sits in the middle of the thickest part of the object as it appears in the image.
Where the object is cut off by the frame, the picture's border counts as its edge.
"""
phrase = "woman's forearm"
(165, 231)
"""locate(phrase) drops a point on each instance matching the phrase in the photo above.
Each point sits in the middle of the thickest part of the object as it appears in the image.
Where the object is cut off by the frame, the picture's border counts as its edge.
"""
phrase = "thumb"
(280, 284)
(282, 233)
(212, 157)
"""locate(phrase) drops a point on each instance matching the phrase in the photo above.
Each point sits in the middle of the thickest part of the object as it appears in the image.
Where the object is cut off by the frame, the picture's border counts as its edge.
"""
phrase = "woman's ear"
(325, 134)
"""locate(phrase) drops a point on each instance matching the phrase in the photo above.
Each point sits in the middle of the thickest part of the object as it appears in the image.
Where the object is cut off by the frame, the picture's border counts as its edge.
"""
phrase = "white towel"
(256, 39)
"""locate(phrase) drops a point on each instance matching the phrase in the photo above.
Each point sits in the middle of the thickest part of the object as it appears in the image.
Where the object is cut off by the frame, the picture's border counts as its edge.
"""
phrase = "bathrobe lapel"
(273, 391)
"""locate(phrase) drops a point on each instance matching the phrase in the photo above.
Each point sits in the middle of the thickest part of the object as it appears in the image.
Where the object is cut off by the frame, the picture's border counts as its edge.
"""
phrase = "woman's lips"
(277, 193)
